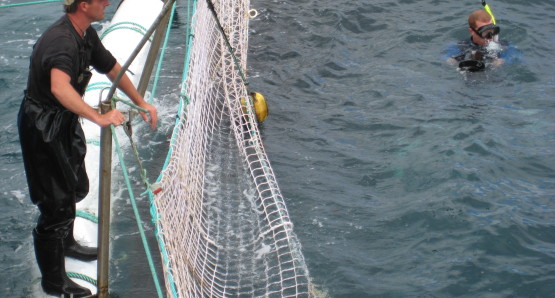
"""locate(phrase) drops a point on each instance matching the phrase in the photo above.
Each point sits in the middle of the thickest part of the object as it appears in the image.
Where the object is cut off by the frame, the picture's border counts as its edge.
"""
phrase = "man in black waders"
(52, 140)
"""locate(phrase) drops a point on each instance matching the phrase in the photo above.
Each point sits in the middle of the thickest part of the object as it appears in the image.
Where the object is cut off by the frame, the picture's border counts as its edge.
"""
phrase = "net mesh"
(222, 223)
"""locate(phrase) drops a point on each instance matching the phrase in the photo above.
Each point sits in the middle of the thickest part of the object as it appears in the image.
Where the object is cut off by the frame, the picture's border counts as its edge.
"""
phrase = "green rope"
(183, 101)
(153, 211)
(138, 28)
(27, 3)
(94, 219)
(136, 210)
(93, 142)
(86, 215)
(166, 8)
(98, 85)
(136, 153)
(128, 23)
(159, 67)
(80, 276)
(131, 104)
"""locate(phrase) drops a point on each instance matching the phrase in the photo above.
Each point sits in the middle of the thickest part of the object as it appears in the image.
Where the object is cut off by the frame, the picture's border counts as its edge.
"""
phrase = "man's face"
(475, 36)
(95, 11)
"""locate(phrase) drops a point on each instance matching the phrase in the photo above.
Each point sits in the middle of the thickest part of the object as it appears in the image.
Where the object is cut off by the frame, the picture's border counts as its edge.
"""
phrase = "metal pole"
(104, 193)
(165, 9)
(106, 168)
(153, 54)
(151, 58)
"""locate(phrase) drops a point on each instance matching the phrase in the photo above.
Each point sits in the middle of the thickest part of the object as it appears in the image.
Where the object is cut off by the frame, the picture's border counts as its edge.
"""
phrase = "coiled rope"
(127, 26)
(84, 277)
(86, 215)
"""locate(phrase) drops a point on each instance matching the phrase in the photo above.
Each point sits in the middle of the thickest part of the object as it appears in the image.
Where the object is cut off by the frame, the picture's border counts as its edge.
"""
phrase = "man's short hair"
(71, 5)
(478, 15)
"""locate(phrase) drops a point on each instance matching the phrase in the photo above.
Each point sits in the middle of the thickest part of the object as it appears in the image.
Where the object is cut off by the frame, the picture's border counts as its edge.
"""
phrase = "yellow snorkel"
(486, 7)
(488, 10)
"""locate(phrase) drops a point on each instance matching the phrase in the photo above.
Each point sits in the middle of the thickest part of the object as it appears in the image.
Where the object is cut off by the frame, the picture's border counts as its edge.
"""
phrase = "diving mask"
(488, 31)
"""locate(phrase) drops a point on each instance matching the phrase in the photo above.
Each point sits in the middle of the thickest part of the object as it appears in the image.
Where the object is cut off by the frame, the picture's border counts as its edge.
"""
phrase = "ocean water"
(403, 177)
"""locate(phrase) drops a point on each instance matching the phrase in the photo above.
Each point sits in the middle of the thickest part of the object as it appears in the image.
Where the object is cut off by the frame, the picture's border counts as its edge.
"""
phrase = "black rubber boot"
(75, 250)
(50, 258)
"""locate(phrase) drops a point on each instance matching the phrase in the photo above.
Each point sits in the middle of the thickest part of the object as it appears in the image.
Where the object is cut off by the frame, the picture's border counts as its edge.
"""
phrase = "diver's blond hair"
(478, 15)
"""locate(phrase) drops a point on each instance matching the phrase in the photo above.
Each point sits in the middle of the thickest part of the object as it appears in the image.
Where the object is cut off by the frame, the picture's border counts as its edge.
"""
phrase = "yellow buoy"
(259, 104)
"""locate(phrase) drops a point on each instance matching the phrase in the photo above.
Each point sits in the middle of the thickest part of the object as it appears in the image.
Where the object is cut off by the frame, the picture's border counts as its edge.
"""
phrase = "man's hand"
(152, 112)
(129, 89)
(114, 117)
(69, 98)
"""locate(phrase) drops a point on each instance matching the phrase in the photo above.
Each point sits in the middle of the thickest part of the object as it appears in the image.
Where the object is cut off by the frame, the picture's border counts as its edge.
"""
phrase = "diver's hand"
(452, 61)
(498, 62)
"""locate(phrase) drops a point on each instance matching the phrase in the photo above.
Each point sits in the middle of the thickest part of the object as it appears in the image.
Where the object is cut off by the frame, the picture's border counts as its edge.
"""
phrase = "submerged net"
(222, 224)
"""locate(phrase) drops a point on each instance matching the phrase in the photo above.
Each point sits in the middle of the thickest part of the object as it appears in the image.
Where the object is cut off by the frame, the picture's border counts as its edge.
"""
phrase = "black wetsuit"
(467, 51)
(52, 140)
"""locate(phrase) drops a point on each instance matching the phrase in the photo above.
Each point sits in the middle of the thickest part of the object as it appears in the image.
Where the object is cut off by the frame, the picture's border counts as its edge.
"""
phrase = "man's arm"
(129, 89)
(61, 87)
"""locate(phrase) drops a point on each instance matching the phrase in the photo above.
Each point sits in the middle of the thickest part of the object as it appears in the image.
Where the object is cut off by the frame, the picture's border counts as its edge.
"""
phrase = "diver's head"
(481, 27)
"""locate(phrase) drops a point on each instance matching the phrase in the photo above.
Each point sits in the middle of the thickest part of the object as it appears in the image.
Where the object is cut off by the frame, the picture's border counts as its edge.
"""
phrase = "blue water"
(403, 177)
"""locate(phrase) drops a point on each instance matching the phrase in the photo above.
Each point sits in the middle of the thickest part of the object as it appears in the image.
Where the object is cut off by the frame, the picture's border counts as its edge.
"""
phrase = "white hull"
(126, 29)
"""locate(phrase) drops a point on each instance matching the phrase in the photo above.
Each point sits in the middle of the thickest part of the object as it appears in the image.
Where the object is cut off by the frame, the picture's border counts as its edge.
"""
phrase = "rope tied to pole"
(111, 102)
(135, 208)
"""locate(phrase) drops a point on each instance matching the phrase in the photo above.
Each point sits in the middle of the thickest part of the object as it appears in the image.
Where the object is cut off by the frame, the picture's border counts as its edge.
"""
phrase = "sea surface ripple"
(403, 177)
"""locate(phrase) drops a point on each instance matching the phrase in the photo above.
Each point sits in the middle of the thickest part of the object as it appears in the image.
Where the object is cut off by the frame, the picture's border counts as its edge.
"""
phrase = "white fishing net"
(222, 224)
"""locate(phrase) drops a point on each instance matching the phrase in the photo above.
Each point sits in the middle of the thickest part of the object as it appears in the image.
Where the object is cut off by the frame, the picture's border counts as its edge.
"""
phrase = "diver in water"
(483, 48)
